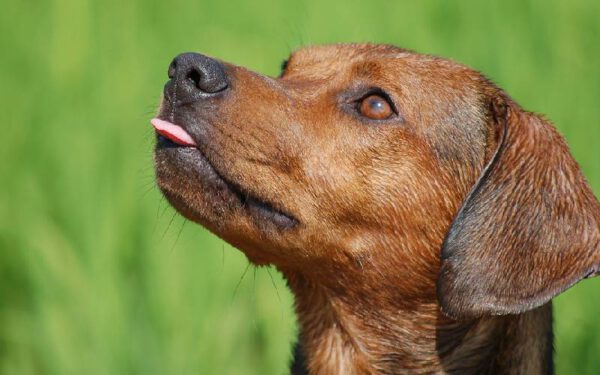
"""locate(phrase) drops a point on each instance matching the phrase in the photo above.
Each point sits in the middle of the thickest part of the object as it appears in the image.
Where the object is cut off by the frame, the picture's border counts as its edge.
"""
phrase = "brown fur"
(369, 206)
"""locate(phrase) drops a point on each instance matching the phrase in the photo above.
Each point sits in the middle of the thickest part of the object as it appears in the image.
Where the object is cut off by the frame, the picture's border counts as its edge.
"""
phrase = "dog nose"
(193, 76)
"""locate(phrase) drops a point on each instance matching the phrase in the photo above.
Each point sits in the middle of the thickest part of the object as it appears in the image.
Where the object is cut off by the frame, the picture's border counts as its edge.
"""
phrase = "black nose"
(194, 76)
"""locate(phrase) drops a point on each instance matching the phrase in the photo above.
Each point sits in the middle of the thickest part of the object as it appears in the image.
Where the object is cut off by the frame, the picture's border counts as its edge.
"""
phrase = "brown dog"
(422, 219)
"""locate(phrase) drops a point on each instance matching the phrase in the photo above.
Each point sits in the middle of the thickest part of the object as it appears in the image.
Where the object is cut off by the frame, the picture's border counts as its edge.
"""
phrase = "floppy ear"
(528, 230)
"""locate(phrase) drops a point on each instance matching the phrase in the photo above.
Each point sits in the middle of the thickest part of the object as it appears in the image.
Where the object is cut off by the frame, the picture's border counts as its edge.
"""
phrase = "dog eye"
(375, 107)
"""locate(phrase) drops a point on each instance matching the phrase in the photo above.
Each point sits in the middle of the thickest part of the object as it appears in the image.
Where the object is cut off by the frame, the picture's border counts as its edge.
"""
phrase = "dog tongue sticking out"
(173, 132)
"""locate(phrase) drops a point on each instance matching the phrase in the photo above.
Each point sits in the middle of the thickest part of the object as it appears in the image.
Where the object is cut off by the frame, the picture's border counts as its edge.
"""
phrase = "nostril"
(191, 73)
(195, 77)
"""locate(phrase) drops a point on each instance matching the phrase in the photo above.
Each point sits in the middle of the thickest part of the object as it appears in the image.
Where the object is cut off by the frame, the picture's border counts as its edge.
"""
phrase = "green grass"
(97, 273)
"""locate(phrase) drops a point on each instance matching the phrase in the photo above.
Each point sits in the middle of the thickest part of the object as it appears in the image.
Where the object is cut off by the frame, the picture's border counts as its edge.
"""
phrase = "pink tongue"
(173, 132)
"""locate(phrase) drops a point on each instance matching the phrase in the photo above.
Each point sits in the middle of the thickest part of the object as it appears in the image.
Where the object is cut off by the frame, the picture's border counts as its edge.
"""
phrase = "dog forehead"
(342, 51)
(325, 60)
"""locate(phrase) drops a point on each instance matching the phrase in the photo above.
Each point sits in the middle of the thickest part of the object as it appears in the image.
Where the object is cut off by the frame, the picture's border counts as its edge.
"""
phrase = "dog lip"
(257, 206)
(172, 132)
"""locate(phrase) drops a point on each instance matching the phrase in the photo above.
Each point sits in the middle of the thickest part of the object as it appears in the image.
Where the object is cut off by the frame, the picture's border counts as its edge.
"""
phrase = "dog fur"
(430, 242)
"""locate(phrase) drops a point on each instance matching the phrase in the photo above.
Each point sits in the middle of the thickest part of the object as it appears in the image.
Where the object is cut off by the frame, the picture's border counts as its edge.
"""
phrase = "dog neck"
(342, 334)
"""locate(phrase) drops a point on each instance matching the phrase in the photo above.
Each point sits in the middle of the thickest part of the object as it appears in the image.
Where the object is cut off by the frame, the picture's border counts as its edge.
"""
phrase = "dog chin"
(195, 188)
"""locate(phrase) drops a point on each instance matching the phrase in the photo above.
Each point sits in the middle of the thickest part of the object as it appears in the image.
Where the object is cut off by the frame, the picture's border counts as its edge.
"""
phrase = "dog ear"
(528, 230)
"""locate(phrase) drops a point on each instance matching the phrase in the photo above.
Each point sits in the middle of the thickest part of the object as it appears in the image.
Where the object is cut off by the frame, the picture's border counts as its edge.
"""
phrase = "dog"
(422, 219)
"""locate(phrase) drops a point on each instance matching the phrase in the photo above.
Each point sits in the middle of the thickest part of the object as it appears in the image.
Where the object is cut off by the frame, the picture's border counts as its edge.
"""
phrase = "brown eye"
(375, 107)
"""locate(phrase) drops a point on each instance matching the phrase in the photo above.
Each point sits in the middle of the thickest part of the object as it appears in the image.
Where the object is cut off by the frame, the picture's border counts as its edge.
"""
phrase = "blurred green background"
(99, 276)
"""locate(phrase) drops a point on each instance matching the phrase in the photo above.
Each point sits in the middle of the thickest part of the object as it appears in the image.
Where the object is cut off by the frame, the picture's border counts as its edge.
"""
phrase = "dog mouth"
(173, 139)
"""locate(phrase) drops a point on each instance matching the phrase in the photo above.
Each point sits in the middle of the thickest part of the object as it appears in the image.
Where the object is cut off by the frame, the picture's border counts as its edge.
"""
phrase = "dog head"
(360, 162)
